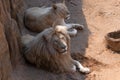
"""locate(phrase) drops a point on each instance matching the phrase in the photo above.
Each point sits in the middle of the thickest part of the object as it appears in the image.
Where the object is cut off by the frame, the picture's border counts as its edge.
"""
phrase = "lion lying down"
(37, 19)
(50, 50)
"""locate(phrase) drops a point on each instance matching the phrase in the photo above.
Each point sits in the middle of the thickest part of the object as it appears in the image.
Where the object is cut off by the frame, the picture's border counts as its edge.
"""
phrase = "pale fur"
(40, 52)
(37, 19)
(27, 38)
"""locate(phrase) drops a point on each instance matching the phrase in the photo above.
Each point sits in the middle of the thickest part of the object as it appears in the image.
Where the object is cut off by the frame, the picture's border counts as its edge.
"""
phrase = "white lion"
(50, 50)
(37, 19)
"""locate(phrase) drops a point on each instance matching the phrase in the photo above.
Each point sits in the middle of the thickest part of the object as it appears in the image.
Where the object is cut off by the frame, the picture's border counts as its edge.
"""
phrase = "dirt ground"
(102, 16)
(89, 47)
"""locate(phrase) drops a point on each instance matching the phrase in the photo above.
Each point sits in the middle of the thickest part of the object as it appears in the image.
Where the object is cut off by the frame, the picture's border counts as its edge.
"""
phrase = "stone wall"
(10, 15)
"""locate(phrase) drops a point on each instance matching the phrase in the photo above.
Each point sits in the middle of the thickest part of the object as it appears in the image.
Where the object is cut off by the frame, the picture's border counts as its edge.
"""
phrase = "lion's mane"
(40, 52)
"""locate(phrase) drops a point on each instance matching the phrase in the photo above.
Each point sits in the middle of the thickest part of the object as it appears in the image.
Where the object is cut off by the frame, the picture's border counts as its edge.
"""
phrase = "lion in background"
(39, 18)
(50, 50)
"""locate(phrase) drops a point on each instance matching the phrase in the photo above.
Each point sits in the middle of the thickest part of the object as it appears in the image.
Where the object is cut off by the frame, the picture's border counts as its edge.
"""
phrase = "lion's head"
(59, 43)
(61, 10)
(57, 39)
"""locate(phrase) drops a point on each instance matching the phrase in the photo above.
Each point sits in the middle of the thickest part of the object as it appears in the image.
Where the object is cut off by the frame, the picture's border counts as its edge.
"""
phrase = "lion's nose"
(63, 47)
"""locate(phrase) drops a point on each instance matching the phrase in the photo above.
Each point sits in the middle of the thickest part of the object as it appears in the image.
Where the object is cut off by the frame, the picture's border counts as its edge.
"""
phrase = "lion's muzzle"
(60, 46)
(63, 49)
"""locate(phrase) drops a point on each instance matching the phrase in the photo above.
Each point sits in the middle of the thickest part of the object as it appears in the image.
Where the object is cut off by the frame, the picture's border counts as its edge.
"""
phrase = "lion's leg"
(72, 32)
(72, 28)
(73, 69)
(80, 67)
(75, 26)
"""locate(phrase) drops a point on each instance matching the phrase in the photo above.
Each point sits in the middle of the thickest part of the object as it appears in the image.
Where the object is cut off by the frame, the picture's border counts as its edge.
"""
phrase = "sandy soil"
(89, 47)
(102, 16)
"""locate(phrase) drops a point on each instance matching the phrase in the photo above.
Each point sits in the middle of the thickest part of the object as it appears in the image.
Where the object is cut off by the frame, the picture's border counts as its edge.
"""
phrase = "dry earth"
(99, 17)
(102, 16)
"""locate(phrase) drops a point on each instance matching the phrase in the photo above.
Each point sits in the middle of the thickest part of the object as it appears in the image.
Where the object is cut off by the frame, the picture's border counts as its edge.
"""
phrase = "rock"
(14, 42)
(5, 64)
(10, 46)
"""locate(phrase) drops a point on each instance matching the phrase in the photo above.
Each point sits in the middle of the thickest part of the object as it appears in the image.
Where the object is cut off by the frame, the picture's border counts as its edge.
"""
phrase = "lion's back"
(35, 18)
(37, 11)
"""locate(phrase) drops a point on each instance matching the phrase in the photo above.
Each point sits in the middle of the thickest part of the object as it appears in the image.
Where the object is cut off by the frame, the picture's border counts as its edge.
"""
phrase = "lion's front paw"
(72, 32)
(78, 26)
(85, 70)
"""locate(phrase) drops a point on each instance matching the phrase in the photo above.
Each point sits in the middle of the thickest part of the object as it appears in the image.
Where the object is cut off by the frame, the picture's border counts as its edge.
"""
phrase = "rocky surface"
(9, 37)
(5, 64)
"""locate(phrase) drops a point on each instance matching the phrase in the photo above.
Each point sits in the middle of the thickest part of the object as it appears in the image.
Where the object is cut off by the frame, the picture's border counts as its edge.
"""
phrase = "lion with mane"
(39, 18)
(50, 50)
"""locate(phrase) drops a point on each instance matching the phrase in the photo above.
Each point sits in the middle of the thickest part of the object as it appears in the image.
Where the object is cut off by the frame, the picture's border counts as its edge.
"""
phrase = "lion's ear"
(54, 6)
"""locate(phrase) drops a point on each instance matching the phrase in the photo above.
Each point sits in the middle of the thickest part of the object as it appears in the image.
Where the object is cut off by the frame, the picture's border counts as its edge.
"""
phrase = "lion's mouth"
(63, 50)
